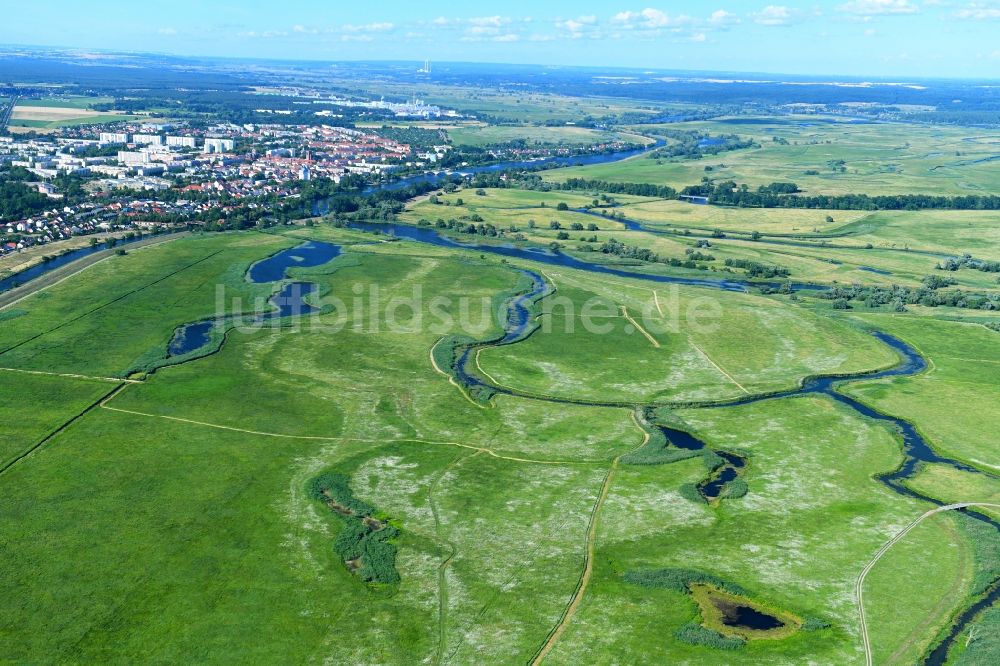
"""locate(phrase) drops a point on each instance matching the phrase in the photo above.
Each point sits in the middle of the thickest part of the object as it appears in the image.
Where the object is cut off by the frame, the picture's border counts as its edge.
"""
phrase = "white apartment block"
(148, 139)
(218, 145)
(114, 137)
(181, 141)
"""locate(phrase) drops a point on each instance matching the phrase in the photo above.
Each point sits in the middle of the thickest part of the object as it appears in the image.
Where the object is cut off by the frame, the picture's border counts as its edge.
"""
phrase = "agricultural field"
(518, 526)
(559, 136)
(55, 112)
(510, 106)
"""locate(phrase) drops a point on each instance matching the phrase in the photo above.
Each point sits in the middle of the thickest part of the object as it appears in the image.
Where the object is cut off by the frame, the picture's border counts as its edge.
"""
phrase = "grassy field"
(795, 542)
(952, 402)
(55, 112)
(519, 106)
(675, 360)
(171, 521)
(855, 248)
(560, 136)
(846, 158)
(67, 102)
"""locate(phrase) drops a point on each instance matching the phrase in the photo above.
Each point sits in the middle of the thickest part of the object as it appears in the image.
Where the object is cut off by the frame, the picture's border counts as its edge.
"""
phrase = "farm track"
(588, 569)
(859, 584)
(103, 403)
(442, 573)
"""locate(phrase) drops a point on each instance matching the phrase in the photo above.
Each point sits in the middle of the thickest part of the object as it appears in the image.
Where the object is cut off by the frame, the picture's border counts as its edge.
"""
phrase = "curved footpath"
(859, 585)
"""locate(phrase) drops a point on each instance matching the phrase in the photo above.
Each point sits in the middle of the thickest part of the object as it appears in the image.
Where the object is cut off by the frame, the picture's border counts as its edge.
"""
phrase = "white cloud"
(368, 27)
(775, 15)
(578, 24)
(492, 21)
(978, 11)
(649, 19)
(167, 31)
(878, 7)
(509, 37)
(720, 17)
(698, 37)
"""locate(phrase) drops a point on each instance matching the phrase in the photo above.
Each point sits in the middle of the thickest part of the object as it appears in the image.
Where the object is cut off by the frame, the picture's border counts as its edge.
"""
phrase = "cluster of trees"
(471, 228)
(680, 580)
(363, 540)
(688, 144)
(418, 137)
(756, 269)
(938, 281)
(898, 297)
(966, 261)
(636, 189)
(783, 195)
(619, 249)
(697, 255)
(18, 200)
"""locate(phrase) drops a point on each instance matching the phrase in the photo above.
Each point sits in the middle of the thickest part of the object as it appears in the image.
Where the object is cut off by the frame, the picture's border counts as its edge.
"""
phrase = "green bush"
(814, 624)
(333, 485)
(734, 489)
(690, 492)
(695, 634)
(358, 540)
(680, 580)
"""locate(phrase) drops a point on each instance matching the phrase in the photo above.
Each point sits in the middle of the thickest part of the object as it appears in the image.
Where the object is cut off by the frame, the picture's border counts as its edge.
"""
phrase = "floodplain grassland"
(953, 403)
(503, 208)
(776, 221)
(950, 485)
(108, 317)
(177, 523)
(796, 542)
(880, 248)
(904, 625)
(752, 344)
(32, 406)
(878, 158)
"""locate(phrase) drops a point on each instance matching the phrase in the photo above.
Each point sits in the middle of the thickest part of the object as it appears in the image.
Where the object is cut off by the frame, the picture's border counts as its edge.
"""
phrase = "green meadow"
(166, 514)
(840, 157)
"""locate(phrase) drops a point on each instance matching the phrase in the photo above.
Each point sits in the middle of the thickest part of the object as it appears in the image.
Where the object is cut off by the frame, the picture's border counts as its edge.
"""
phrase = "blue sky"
(933, 38)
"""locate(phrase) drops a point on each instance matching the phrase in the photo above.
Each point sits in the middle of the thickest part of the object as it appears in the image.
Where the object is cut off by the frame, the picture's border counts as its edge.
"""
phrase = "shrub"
(814, 624)
(695, 634)
(358, 540)
(334, 486)
(734, 489)
(680, 580)
(690, 492)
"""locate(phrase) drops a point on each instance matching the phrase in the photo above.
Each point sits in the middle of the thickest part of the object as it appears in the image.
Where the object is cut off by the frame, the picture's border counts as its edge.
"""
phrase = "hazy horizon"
(856, 38)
